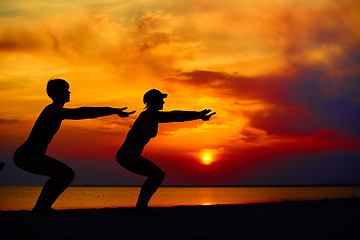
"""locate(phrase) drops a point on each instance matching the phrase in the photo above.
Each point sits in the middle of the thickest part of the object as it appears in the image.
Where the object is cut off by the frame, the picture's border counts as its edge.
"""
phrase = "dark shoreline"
(230, 186)
(321, 219)
(212, 186)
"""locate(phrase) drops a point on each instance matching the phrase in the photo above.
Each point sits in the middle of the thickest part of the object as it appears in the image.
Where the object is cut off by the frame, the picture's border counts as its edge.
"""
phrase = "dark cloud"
(12, 39)
(9, 121)
(298, 100)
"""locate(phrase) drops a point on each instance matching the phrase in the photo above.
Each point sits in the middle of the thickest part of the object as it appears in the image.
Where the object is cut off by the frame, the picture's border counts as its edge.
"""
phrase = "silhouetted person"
(144, 128)
(30, 156)
(2, 164)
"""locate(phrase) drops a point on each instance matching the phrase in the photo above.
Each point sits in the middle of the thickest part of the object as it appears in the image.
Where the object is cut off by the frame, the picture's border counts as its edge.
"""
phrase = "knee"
(18, 159)
(159, 176)
(67, 174)
(70, 174)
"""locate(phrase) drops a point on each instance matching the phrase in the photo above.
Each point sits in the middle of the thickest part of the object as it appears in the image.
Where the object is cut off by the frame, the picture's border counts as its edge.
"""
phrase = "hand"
(206, 114)
(121, 112)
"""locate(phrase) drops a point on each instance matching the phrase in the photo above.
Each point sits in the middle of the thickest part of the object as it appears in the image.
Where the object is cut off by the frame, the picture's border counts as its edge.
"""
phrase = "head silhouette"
(154, 99)
(58, 90)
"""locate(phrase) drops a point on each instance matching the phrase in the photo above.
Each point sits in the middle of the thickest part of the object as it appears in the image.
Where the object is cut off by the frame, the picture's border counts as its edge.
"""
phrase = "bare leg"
(60, 178)
(148, 189)
(145, 167)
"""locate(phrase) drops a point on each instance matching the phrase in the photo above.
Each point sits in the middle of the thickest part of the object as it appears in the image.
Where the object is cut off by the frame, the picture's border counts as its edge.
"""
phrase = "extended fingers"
(206, 111)
(125, 114)
(213, 113)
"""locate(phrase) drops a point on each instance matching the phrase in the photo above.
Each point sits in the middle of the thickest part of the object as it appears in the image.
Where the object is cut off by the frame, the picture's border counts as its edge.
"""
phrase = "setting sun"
(207, 156)
(207, 160)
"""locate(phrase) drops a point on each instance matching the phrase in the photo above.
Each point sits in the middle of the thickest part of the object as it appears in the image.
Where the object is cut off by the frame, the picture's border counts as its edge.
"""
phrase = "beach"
(322, 219)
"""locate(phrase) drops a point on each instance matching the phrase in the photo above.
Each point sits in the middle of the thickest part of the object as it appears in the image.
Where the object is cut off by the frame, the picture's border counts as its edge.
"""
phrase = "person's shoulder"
(149, 114)
(52, 110)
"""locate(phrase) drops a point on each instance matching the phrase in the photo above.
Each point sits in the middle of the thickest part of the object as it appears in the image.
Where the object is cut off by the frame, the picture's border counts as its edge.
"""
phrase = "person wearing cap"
(144, 128)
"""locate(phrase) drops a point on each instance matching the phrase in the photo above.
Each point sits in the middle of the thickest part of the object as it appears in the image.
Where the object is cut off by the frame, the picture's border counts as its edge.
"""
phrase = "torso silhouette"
(45, 127)
(144, 128)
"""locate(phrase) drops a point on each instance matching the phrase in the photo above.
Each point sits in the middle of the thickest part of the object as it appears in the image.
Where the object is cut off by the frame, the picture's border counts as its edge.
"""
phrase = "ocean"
(24, 198)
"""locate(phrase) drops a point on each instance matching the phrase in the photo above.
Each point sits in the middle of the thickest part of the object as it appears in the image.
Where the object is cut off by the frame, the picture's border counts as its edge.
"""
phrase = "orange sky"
(282, 76)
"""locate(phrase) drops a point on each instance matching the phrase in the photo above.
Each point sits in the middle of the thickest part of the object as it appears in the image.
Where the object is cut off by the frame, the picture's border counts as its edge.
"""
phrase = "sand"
(326, 219)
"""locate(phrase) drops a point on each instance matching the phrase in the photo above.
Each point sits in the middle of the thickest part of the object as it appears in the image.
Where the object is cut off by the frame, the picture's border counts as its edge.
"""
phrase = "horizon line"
(246, 185)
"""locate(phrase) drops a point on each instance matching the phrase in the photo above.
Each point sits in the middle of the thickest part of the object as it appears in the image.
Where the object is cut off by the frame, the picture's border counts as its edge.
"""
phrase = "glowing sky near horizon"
(283, 77)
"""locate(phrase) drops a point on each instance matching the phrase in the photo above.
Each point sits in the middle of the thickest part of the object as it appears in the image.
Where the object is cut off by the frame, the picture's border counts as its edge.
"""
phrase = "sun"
(206, 159)
(207, 156)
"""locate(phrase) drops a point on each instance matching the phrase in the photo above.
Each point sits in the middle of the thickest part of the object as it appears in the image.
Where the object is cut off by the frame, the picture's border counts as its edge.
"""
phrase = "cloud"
(14, 39)
(9, 121)
(296, 102)
(316, 86)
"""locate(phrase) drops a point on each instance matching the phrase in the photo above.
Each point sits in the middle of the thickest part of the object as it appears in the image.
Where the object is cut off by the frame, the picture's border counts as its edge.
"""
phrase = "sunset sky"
(282, 75)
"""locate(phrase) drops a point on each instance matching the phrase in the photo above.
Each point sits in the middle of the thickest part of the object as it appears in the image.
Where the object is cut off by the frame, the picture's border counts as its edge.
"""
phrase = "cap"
(153, 94)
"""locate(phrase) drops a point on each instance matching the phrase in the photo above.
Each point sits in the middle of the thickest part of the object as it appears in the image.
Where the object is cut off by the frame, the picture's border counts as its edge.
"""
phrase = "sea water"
(24, 198)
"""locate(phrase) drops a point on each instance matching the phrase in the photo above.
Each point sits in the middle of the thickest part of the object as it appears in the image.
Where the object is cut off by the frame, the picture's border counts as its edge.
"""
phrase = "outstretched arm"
(93, 112)
(183, 116)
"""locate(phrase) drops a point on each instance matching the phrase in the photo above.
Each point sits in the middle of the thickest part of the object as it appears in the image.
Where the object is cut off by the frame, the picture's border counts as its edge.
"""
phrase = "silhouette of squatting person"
(30, 156)
(144, 128)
